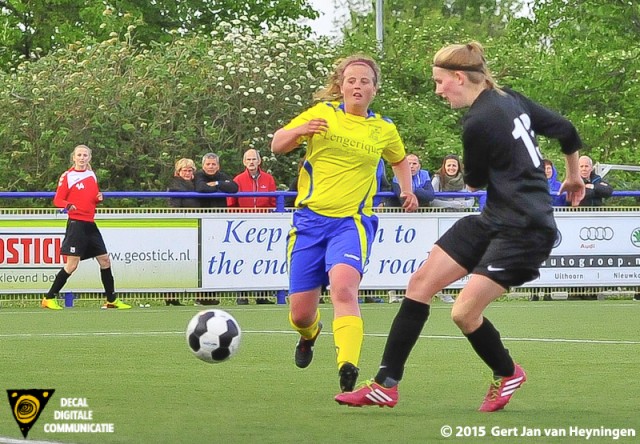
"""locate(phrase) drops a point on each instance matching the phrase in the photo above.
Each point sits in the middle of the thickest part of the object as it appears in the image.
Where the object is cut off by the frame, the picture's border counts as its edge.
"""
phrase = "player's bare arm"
(285, 140)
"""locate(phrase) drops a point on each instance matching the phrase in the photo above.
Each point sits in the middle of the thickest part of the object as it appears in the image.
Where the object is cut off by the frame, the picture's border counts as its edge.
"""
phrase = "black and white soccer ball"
(213, 336)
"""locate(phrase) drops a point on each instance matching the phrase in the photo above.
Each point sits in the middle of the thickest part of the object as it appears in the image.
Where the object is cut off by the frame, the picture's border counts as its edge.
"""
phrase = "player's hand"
(409, 201)
(100, 197)
(314, 126)
(575, 190)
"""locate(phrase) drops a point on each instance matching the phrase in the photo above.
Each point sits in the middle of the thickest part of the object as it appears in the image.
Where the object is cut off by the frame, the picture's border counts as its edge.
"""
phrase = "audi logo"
(596, 233)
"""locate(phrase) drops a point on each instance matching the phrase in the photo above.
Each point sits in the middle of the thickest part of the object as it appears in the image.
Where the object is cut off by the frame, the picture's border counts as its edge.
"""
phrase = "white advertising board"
(145, 253)
(247, 251)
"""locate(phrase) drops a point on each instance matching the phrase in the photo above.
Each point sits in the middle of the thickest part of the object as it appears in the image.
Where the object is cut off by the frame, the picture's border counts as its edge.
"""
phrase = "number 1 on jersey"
(522, 125)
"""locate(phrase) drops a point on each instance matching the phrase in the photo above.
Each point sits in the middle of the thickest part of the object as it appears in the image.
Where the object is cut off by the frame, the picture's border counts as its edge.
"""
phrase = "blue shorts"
(316, 243)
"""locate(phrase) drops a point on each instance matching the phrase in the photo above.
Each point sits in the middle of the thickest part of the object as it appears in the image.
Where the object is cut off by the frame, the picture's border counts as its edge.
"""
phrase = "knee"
(344, 295)
(104, 261)
(302, 319)
(70, 268)
(467, 321)
(461, 318)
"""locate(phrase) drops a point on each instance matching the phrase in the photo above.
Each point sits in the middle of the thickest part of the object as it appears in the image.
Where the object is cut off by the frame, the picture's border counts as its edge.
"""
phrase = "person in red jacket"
(253, 179)
(78, 194)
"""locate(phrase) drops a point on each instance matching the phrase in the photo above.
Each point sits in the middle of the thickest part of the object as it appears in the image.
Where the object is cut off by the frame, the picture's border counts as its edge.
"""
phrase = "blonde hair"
(469, 58)
(331, 90)
(73, 153)
(184, 163)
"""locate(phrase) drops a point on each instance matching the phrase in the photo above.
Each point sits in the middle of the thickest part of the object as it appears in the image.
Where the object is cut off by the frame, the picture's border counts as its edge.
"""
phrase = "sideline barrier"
(180, 251)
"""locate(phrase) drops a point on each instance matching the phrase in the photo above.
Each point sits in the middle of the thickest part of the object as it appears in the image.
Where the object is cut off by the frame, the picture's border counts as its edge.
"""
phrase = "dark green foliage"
(142, 106)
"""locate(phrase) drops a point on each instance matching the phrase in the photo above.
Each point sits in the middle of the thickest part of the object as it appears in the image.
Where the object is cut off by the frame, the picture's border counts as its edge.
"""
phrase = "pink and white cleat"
(370, 393)
(501, 390)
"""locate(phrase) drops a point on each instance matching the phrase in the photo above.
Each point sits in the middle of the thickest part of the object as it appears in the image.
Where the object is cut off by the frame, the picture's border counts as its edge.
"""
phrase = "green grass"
(135, 370)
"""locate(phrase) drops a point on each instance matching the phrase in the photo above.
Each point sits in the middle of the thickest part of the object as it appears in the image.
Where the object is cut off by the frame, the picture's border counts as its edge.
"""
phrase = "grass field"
(136, 372)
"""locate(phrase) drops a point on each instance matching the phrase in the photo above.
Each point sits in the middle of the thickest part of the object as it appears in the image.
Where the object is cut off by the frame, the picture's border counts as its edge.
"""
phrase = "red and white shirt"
(78, 188)
(246, 183)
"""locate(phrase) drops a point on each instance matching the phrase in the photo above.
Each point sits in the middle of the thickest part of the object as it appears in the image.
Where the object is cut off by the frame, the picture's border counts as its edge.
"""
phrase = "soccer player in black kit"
(500, 248)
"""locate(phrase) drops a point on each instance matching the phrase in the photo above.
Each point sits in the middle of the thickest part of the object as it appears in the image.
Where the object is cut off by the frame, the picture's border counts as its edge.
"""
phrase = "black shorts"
(82, 239)
(509, 256)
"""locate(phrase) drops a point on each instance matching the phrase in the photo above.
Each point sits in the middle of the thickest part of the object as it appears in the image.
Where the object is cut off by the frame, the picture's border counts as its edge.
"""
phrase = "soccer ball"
(213, 336)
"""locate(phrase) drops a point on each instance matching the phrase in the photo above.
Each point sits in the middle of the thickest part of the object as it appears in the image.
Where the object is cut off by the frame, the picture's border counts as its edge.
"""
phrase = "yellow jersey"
(338, 178)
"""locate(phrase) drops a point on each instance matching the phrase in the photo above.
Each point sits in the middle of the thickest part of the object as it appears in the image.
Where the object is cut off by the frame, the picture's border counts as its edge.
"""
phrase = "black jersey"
(501, 153)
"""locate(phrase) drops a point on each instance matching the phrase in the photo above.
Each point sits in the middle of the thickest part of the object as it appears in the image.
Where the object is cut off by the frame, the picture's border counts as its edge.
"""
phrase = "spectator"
(450, 178)
(253, 179)
(78, 194)
(557, 199)
(211, 180)
(596, 189)
(421, 183)
(183, 181)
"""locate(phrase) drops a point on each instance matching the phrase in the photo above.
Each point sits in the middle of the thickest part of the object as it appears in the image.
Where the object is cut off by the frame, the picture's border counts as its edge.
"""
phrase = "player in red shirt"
(78, 194)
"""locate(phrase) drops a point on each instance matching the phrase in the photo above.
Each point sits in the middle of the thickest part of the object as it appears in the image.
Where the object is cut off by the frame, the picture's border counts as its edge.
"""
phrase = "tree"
(582, 58)
(140, 110)
(578, 57)
(32, 28)
(142, 106)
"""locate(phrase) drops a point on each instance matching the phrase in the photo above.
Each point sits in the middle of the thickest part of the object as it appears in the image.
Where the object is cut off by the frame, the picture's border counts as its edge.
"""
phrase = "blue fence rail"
(280, 196)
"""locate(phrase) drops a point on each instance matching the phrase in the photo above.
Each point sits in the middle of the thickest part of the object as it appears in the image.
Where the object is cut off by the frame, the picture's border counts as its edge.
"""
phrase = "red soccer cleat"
(501, 390)
(371, 393)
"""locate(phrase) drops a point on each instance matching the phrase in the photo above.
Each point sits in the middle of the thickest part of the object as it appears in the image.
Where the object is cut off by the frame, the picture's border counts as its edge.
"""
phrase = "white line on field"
(4, 440)
(288, 332)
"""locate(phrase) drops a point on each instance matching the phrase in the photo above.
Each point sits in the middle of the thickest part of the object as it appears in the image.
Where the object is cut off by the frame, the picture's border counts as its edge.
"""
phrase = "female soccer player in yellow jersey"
(334, 225)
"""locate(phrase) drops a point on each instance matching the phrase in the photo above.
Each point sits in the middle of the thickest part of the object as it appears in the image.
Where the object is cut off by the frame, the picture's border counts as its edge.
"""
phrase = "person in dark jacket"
(420, 182)
(211, 180)
(183, 181)
(596, 189)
